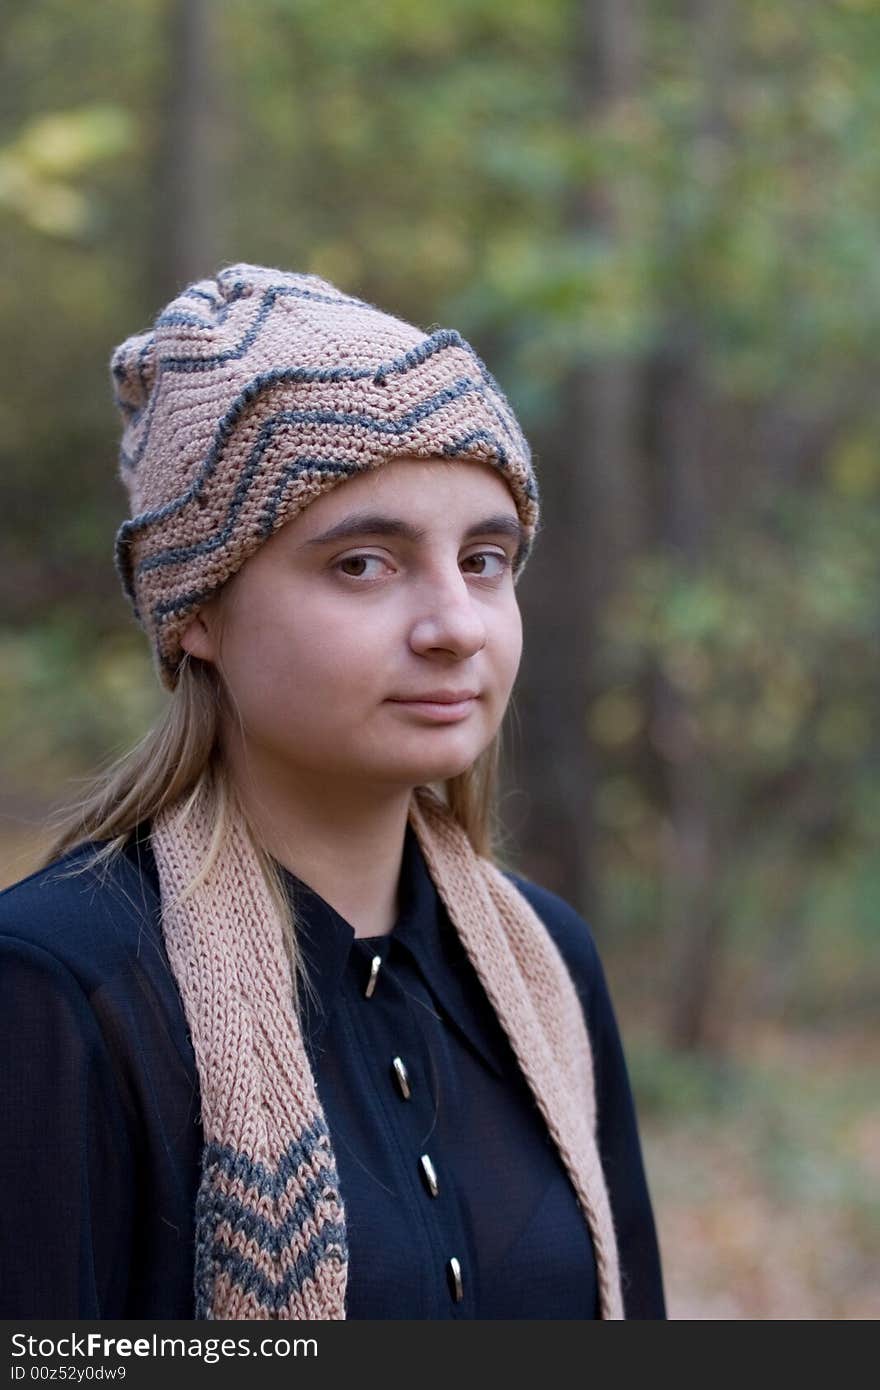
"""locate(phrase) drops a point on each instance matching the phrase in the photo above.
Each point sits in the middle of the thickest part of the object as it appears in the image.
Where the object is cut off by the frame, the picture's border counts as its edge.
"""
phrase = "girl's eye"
(502, 560)
(357, 560)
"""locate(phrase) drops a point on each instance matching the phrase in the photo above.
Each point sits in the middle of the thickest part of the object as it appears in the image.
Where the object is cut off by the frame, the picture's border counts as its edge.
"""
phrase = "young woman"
(281, 1038)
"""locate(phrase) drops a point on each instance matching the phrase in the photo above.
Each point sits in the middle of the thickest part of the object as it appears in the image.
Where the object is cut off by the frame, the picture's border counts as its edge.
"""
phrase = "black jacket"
(99, 1163)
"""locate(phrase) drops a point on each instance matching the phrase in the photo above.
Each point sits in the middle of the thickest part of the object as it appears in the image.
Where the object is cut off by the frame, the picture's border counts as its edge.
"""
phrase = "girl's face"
(325, 635)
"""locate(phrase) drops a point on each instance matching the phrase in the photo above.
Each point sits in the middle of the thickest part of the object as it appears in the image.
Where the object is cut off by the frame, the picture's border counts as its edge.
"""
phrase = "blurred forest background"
(658, 222)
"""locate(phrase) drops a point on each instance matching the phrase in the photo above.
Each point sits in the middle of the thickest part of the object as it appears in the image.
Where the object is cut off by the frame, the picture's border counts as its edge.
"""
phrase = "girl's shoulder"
(85, 980)
(92, 918)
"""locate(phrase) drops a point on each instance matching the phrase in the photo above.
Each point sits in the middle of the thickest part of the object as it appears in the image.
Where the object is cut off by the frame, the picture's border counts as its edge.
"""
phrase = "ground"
(765, 1175)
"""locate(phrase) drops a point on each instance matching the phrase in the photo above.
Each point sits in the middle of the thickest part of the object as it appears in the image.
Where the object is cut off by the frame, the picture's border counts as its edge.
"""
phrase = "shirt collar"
(422, 929)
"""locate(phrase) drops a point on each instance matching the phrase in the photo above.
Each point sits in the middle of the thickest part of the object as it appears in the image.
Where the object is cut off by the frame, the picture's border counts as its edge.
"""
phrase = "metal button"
(429, 1175)
(402, 1076)
(453, 1274)
(374, 971)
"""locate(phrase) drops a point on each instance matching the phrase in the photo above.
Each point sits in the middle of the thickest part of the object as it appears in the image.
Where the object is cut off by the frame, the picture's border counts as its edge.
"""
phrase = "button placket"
(426, 1166)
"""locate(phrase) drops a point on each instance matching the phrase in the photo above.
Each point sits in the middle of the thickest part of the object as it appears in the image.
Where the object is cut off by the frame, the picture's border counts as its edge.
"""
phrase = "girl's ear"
(197, 639)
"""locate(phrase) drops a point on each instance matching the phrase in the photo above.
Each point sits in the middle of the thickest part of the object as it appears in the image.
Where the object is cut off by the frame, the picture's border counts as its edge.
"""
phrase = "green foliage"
(683, 1086)
(799, 1126)
(36, 169)
(68, 702)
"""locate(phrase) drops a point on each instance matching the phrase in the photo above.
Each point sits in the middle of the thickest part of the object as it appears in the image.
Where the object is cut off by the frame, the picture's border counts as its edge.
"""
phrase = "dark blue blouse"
(457, 1203)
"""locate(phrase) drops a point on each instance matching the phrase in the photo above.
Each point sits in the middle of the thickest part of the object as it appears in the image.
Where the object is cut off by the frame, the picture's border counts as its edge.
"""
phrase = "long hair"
(181, 755)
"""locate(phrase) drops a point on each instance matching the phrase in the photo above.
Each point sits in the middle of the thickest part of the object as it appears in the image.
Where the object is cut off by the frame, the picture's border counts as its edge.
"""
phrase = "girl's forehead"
(411, 483)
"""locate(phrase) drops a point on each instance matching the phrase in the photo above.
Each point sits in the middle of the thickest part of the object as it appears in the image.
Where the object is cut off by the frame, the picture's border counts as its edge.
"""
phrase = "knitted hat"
(255, 392)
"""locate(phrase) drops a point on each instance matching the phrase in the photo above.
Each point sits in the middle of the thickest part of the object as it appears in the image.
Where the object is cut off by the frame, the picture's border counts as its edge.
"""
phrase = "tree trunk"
(592, 519)
(694, 912)
(187, 232)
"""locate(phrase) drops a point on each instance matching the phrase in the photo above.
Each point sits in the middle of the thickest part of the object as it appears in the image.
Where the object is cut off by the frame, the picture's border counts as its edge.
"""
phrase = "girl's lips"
(442, 712)
(437, 696)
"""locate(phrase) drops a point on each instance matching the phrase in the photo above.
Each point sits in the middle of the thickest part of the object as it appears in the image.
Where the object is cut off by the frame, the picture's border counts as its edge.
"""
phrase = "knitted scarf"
(270, 1220)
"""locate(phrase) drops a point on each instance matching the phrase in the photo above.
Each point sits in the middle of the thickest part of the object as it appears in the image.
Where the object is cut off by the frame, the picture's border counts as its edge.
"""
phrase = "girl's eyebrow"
(377, 524)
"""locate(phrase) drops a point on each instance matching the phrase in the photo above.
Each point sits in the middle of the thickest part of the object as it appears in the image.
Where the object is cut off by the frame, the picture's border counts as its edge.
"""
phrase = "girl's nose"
(448, 616)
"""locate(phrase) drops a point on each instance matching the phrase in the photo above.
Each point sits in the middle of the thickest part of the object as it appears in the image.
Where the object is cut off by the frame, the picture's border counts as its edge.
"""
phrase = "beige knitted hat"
(258, 390)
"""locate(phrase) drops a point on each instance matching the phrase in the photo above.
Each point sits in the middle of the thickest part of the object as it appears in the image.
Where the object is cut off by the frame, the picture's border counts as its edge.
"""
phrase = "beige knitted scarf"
(270, 1220)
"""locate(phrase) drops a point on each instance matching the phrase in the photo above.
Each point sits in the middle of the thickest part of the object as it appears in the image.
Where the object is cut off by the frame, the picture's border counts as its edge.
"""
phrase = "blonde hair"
(181, 754)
